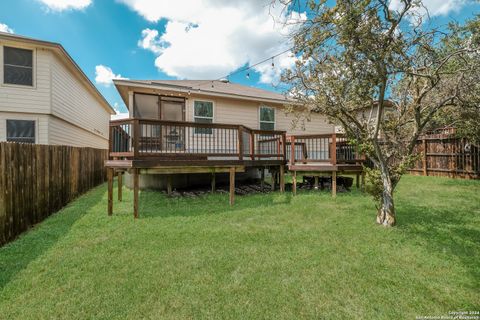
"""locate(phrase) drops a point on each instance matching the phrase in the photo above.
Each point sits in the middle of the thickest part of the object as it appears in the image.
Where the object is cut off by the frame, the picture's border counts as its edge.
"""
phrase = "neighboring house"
(214, 102)
(45, 97)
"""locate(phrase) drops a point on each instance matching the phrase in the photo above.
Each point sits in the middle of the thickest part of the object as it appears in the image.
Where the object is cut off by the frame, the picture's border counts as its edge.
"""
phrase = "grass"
(269, 257)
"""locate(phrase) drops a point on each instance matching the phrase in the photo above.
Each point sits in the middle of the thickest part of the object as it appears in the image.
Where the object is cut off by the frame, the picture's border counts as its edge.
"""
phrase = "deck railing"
(327, 148)
(143, 138)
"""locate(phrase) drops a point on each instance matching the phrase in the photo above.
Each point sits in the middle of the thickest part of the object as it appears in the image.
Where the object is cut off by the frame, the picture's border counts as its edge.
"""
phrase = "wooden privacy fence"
(37, 180)
(443, 154)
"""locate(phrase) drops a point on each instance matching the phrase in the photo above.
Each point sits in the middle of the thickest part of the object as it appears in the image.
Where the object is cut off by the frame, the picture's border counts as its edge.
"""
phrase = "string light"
(246, 69)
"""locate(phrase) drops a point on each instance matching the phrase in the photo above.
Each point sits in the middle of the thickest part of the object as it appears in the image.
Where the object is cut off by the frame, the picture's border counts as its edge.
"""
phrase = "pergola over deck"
(147, 146)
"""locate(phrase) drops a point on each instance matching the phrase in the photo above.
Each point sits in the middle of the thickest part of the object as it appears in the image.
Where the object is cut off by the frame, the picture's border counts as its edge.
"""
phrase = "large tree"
(382, 72)
(464, 117)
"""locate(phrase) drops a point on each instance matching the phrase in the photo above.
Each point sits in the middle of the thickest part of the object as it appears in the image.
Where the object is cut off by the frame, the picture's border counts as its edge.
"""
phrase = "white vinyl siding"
(57, 93)
(247, 113)
(63, 133)
(72, 102)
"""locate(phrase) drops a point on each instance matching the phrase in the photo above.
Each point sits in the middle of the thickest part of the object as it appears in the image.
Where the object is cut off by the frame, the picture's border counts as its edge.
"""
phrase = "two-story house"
(46, 98)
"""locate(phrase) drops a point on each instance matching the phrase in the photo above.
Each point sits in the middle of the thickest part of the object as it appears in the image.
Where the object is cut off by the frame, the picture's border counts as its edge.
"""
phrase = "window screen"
(17, 66)
(146, 106)
(267, 118)
(21, 131)
(203, 113)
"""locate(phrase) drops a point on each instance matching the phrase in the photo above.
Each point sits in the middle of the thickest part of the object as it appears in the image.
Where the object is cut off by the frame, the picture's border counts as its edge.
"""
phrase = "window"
(17, 66)
(21, 131)
(203, 113)
(267, 118)
(146, 106)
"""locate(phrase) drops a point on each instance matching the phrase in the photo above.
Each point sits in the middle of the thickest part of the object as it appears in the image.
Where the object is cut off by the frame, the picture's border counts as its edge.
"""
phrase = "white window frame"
(194, 117)
(274, 117)
(34, 66)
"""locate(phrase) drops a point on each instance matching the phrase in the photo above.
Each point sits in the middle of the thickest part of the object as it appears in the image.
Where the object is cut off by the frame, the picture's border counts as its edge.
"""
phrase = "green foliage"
(271, 256)
(383, 75)
(465, 114)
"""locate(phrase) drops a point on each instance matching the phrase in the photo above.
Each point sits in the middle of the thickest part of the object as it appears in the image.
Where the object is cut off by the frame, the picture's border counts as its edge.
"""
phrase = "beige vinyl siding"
(41, 125)
(64, 133)
(247, 113)
(36, 99)
(316, 124)
(72, 102)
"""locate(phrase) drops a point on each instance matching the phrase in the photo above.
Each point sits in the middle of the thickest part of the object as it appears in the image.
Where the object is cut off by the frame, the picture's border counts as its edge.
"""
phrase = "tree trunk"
(386, 212)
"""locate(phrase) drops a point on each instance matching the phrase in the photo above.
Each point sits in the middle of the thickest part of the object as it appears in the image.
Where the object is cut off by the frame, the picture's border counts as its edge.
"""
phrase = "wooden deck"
(317, 155)
(144, 146)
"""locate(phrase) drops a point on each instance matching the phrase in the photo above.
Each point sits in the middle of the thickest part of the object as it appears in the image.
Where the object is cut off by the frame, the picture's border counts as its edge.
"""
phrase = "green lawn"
(270, 256)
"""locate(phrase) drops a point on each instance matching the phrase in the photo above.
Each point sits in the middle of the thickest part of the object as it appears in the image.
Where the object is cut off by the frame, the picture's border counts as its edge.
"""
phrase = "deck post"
(110, 190)
(135, 193)
(282, 178)
(334, 184)
(169, 185)
(363, 181)
(232, 186)
(315, 186)
(333, 151)
(294, 180)
(292, 150)
(240, 143)
(262, 178)
(357, 180)
(136, 138)
(213, 182)
(252, 145)
(119, 182)
(274, 179)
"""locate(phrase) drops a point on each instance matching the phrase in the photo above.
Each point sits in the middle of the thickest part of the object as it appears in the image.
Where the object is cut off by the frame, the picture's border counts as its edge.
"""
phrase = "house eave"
(202, 92)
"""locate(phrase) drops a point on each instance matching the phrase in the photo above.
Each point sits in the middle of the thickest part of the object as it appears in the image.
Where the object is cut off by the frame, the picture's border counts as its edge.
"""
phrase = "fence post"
(424, 160)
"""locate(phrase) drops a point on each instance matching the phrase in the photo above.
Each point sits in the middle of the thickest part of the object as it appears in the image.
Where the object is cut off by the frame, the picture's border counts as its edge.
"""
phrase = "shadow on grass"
(154, 204)
(18, 254)
(444, 232)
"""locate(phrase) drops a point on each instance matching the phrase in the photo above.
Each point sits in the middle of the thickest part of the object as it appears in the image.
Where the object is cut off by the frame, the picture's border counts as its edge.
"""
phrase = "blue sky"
(195, 39)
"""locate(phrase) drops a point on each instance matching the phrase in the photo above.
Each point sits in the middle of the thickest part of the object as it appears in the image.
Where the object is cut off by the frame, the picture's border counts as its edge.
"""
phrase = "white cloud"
(150, 41)
(104, 75)
(5, 28)
(210, 38)
(432, 7)
(60, 5)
